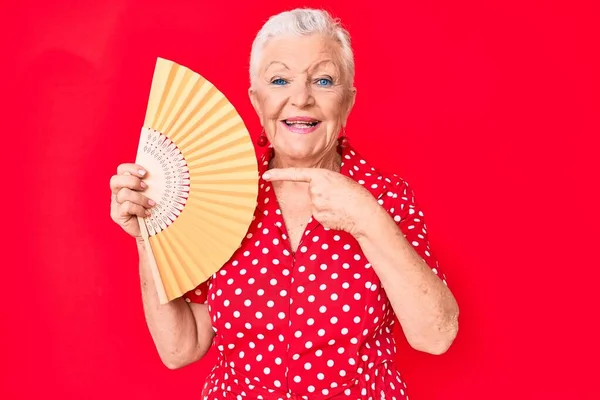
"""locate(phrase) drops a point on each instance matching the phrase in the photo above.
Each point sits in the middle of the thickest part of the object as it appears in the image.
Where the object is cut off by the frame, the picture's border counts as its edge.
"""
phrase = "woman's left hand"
(338, 202)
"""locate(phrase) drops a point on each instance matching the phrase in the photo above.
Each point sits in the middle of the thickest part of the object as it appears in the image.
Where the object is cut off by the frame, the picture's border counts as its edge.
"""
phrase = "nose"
(302, 96)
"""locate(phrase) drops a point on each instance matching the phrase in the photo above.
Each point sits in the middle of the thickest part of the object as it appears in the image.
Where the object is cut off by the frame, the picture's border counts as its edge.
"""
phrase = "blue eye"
(278, 81)
(324, 82)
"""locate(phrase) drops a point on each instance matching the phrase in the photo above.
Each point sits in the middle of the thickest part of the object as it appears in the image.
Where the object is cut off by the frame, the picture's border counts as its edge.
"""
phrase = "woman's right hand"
(127, 203)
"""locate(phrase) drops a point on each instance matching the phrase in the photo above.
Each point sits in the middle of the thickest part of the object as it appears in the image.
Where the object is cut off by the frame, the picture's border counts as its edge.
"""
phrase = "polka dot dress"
(314, 324)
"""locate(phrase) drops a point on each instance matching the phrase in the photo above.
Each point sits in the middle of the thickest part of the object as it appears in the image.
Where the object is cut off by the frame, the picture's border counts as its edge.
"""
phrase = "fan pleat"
(166, 259)
(215, 219)
(235, 167)
(234, 146)
(211, 130)
(211, 244)
(176, 85)
(186, 90)
(235, 157)
(209, 252)
(165, 92)
(224, 135)
(181, 243)
(232, 202)
(218, 190)
(197, 103)
(198, 116)
(158, 91)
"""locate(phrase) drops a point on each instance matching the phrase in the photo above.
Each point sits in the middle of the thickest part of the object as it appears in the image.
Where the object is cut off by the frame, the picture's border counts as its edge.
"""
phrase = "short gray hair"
(303, 22)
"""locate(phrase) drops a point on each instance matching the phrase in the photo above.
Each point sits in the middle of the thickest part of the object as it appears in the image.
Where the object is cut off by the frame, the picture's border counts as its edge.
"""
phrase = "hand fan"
(202, 172)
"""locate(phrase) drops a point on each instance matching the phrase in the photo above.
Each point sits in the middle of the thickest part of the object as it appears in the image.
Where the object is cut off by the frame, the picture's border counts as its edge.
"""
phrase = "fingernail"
(142, 172)
(266, 175)
(148, 212)
(143, 185)
(151, 202)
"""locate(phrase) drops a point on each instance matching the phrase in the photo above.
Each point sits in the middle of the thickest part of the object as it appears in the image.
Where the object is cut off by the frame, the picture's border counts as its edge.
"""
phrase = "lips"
(301, 122)
(302, 125)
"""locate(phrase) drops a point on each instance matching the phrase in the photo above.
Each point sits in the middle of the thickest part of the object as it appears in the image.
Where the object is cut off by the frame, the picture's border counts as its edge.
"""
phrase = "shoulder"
(366, 172)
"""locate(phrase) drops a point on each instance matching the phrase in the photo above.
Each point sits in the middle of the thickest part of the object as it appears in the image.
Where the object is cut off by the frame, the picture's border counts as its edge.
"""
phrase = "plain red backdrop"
(489, 109)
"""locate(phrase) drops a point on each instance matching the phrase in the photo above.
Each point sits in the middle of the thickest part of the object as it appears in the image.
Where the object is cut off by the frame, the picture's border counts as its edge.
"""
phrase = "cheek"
(272, 105)
(332, 106)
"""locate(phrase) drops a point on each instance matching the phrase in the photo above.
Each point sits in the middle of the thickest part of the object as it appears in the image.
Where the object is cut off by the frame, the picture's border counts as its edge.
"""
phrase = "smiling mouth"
(301, 124)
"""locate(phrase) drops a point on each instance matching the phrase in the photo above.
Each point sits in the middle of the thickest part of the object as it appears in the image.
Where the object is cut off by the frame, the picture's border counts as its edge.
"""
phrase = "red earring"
(262, 139)
(343, 140)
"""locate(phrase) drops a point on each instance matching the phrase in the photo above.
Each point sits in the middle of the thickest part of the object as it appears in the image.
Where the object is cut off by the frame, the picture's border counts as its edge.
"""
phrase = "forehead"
(300, 53)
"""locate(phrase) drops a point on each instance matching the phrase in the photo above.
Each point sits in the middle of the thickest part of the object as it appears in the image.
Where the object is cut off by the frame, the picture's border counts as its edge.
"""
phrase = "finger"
(126, 194)
(131, 168)
(118, 182)
(290, 174)
(129, 208)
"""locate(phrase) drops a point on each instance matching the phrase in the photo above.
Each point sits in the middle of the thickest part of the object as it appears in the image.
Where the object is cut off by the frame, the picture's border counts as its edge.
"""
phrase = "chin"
(297, 151)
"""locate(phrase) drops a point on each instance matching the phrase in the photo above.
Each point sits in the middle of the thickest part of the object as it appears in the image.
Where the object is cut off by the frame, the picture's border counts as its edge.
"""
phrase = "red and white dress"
(314, 324)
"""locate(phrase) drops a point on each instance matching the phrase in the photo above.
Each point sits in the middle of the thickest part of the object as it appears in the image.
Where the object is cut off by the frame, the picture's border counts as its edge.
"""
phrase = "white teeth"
(301, 123)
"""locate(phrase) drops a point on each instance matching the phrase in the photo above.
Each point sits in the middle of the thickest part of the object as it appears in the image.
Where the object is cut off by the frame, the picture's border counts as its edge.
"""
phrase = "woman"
(336, 251)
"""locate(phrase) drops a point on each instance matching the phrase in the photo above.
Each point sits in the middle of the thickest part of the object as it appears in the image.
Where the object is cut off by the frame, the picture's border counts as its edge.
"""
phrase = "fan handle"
(160, 289)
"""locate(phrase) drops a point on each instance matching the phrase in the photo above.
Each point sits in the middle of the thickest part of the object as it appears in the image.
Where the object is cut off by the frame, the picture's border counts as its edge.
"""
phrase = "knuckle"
(123, 195)
(127, 207)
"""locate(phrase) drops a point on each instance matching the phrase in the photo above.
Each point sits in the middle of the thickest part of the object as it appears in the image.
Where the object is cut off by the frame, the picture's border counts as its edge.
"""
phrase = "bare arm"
(425, 307)
(182, 332)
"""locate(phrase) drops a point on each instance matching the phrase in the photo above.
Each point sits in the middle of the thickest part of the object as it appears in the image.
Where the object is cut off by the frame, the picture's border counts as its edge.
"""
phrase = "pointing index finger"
(289, 174)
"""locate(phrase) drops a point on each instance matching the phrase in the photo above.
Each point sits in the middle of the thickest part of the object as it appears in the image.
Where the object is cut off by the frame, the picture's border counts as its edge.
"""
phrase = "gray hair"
(303, 22)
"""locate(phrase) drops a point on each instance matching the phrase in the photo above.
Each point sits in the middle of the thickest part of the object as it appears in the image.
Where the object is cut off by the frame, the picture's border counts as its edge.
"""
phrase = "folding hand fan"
(202, 172)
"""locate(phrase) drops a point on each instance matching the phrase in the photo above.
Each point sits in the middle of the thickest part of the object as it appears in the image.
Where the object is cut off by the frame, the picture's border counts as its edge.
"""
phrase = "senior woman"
(336, 253)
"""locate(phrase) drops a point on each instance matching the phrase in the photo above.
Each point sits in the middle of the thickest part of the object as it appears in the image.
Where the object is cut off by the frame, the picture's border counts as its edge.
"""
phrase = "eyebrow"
(276, 62)
(311, 68)
(323, 62)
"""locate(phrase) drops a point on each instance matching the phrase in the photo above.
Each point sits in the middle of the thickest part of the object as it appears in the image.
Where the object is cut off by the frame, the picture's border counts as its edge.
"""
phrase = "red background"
(489, 109)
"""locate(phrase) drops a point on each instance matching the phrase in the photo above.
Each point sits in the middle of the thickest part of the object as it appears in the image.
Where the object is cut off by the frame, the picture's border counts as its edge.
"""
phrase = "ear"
(349, 104)
(253, 95)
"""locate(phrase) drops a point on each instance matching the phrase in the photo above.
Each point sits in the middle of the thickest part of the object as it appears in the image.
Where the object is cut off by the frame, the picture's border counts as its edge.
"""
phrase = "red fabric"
(312, 324)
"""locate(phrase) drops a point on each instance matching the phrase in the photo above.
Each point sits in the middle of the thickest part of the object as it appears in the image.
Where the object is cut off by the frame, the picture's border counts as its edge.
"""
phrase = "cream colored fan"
(202, 172)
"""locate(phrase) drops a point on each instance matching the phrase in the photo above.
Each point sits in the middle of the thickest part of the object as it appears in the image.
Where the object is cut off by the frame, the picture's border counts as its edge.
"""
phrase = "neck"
(330, 160)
